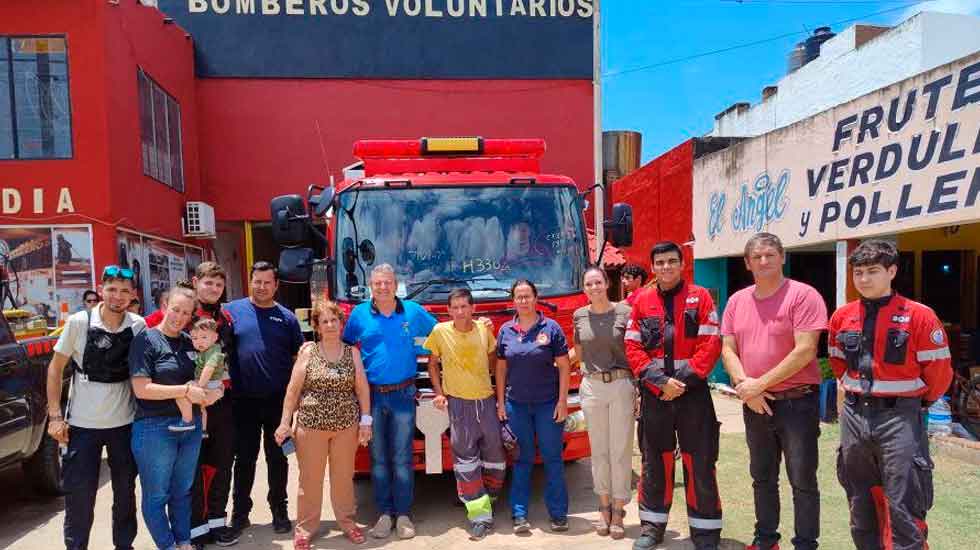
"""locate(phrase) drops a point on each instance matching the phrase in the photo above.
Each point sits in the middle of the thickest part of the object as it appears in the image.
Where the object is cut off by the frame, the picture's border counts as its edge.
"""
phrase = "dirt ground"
(29, 522)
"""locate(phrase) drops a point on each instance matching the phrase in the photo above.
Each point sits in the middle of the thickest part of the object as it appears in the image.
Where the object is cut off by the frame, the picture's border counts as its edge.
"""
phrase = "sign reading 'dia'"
(540, 39)
(902, 158)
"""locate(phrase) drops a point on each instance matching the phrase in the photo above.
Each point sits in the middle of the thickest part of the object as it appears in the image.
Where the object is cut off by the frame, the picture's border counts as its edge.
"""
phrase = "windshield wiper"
(423, 285)
(553, 307)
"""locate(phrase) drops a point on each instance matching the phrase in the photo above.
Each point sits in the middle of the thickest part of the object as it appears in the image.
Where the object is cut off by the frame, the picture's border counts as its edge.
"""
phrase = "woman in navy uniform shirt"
(532, 389)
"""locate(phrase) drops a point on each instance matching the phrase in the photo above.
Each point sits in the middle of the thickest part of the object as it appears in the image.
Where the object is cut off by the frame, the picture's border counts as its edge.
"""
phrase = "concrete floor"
(28, 522)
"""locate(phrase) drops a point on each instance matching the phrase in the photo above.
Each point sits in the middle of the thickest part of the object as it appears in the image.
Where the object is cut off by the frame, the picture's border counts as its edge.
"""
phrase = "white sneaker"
(382, 529)
(404, 527)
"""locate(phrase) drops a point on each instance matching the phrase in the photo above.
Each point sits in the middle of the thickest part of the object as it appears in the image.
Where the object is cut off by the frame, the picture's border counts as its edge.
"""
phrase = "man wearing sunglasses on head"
(99, 412)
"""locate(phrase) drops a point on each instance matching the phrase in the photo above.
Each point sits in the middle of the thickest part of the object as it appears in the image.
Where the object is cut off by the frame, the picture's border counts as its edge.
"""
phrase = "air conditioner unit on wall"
(199, 220)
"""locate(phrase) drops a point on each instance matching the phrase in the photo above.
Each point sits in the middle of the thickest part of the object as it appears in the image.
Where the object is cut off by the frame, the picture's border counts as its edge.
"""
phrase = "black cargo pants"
(212, 480)
(884, 466)
(689, 421)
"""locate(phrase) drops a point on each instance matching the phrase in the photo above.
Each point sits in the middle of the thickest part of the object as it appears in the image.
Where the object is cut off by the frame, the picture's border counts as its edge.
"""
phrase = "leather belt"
(795, 393)
(388, 388)
(608, 376)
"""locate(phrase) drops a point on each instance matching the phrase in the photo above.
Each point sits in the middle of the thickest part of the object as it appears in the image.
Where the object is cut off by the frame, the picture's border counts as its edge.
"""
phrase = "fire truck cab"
(446, 213)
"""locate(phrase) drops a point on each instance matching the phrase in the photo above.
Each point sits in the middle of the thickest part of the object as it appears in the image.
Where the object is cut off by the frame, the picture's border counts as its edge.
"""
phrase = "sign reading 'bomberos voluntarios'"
(901, 158)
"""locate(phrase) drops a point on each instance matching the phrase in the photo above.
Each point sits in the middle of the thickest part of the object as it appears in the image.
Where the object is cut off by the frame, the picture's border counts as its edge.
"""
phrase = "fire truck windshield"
(477, 237)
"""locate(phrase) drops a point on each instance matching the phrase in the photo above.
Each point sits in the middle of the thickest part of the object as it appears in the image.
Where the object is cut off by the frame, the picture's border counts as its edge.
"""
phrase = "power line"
(750, 44)
(808, 2)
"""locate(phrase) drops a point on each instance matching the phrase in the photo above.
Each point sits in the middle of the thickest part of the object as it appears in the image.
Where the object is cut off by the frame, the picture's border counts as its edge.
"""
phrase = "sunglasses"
(116, 271)
(92, 301)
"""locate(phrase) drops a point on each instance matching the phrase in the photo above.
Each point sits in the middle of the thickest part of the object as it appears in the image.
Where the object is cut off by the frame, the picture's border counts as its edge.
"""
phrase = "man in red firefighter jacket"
(672, 343)
(892, 358)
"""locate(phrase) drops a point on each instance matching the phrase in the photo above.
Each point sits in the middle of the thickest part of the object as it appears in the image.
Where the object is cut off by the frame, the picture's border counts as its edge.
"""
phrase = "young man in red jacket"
(672, 343)
(892, 358)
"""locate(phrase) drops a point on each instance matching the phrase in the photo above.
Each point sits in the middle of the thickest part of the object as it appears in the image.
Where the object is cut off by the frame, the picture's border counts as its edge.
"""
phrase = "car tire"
(43, 468)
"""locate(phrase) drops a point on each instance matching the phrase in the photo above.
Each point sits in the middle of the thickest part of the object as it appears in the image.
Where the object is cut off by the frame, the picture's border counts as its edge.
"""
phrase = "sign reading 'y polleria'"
(389, 39)
(901, 158)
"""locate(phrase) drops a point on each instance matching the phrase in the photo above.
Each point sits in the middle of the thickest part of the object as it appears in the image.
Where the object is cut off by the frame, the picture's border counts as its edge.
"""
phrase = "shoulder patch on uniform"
(937, 336)
(713, 316)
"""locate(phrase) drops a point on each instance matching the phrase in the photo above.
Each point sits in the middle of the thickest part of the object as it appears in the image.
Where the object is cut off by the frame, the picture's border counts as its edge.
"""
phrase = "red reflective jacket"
(694, 336)
(910, 350)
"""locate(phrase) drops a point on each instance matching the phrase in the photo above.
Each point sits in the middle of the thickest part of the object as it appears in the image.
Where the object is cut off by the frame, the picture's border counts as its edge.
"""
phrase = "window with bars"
(35, 109)
(160, 134)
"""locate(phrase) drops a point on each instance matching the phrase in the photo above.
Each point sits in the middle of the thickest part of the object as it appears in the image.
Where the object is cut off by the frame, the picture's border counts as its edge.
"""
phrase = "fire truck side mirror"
(322, 203)
(619, 228)
(296, 265)
(289, 221)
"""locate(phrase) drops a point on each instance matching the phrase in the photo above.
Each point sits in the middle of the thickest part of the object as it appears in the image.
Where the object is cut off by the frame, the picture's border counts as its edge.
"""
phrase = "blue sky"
(674, 102)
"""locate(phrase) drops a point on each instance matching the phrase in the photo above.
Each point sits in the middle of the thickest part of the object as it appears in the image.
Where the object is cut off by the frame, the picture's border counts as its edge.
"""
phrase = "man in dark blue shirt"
(267, 338)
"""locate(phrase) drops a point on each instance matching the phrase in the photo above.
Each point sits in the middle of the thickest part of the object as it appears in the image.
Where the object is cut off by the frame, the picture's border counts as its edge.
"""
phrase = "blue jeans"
(530, 420)
(166, 461)
(392, 475)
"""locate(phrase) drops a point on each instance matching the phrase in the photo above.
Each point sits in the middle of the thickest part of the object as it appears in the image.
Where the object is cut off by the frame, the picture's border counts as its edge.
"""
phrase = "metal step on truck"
(446, 213)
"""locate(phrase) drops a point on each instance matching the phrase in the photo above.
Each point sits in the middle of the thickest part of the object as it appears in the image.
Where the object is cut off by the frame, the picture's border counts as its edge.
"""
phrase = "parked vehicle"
(448, 212)
(23, 409)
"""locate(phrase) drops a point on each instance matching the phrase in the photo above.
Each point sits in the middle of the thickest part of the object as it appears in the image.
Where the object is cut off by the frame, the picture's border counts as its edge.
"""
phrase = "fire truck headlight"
(575, 422)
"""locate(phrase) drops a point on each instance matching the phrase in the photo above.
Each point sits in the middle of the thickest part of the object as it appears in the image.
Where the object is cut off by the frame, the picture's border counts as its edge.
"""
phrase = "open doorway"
(942, 285)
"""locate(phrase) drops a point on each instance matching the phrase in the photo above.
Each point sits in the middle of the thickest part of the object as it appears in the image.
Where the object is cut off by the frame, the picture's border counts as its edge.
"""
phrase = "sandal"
(602, 526)
(355, 535)
(301, 543)
(616, 530)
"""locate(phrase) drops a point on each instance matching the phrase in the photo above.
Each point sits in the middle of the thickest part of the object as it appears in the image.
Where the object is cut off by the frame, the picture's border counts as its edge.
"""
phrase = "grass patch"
(954, 521)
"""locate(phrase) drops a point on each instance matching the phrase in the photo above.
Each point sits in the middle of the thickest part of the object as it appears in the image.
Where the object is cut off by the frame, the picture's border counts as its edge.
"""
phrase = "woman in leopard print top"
(330, 395)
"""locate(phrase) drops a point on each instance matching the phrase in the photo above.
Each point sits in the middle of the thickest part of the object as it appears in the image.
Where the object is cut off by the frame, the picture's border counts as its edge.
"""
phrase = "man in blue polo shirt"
(390, 332)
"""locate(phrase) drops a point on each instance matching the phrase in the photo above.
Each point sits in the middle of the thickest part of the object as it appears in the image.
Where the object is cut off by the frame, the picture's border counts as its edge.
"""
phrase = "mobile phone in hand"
(288, 446)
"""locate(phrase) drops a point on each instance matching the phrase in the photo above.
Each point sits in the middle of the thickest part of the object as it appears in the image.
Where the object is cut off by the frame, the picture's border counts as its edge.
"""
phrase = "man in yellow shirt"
(463, 348)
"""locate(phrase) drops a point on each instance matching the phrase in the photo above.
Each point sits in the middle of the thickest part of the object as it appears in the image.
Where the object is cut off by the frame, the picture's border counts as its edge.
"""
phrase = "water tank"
(796, 57)
(821, 35)
(808, 50)
(620, 156)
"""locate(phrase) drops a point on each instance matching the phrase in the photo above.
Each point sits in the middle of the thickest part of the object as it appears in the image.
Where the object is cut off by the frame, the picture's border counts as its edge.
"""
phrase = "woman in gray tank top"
(608, 394)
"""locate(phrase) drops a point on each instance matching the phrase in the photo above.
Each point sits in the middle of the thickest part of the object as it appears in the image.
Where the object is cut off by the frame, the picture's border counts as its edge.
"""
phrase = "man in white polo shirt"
(100, 410)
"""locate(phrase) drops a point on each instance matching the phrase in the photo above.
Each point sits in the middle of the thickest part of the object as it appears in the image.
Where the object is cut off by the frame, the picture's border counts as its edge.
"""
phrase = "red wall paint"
(258, 138)
(660, 193)
(84, 174)
(106, 42)
(135, 36)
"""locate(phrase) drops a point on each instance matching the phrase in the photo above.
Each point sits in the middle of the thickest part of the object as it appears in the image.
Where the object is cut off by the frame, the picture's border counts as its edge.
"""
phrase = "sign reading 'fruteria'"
(539, 39)
(904, 157)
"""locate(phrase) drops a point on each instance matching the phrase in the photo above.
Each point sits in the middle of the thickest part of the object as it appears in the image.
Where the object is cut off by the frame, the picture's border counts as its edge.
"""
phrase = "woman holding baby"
(162, 368)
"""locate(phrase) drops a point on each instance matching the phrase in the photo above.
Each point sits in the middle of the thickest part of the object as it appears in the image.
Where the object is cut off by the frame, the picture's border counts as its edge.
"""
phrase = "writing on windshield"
(483, 238)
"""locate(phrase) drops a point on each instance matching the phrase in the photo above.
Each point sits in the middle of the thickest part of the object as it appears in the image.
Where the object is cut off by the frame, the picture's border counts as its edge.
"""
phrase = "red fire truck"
(445, 213)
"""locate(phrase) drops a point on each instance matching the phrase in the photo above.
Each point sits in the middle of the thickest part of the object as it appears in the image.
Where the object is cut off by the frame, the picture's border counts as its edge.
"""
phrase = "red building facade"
(92, 193)
(241, 141)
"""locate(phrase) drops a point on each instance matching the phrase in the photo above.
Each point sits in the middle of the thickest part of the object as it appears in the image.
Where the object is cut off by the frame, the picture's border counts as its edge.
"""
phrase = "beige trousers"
(608, 411)
(314, 449)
